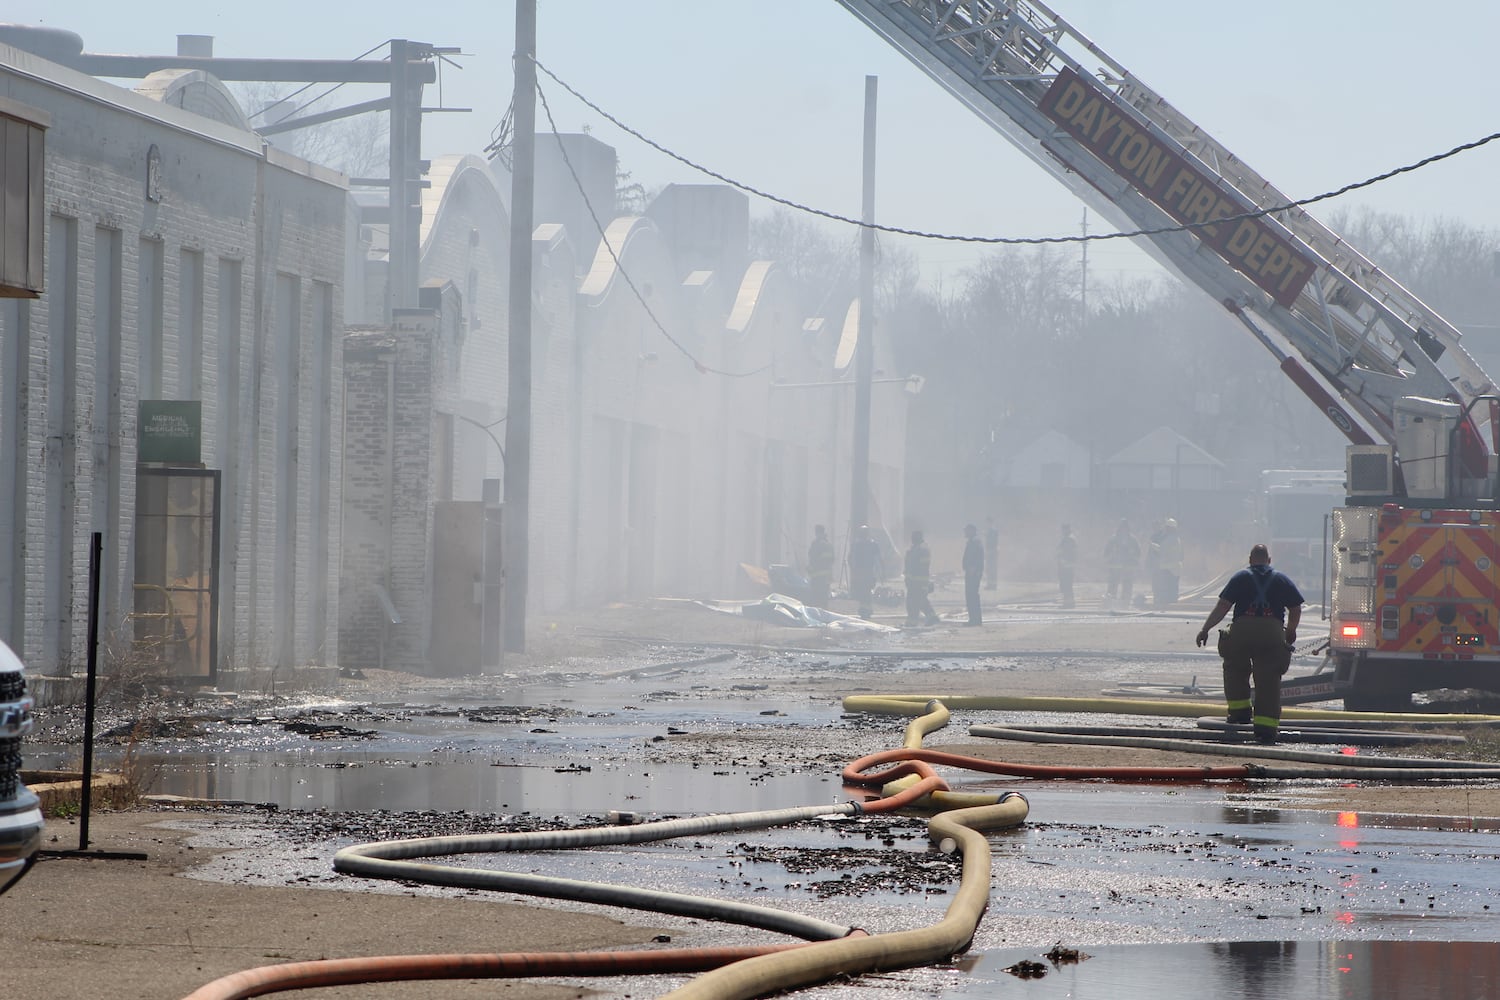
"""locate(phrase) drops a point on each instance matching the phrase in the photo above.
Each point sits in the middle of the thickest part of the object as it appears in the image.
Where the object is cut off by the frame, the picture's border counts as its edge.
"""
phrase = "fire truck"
(1292, 518)
(1415, 601)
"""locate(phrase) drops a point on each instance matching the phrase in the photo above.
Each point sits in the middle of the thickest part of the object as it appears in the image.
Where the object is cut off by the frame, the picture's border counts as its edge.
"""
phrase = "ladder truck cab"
(1414, 592)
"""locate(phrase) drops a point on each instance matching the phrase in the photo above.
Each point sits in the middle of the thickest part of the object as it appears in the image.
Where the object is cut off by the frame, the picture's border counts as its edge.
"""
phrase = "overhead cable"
(1009, 240)
(308, 86)
(620, 266)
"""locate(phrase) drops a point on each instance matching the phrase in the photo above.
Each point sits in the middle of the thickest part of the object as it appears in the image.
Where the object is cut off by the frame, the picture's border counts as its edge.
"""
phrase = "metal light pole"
(864, 349)
(518, 400)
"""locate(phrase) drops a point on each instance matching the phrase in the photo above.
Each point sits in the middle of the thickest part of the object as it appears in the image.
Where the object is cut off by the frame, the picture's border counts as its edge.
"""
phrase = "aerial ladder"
(1421, 415)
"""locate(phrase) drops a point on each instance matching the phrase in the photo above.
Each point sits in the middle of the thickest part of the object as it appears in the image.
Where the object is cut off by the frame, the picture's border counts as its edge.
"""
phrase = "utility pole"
(518, 396)
(864, 349)
(406, 174)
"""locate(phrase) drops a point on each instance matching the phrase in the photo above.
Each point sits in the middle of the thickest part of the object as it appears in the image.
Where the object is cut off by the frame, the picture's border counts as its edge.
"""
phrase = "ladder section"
(1125, 150)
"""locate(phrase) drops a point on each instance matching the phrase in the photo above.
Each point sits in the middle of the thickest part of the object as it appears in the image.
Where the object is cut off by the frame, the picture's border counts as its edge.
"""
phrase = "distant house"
(1164, 460)
(1053, 461)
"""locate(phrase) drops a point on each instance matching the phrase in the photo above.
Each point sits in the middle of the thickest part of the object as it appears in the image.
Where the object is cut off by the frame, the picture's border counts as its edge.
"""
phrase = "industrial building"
(341, 367)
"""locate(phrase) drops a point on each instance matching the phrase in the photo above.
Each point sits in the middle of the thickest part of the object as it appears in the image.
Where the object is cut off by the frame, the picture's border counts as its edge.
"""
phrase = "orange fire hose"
(917, 761)
(513, 965)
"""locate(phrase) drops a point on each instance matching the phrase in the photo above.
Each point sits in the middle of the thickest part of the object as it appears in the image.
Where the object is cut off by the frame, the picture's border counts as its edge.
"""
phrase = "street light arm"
(491, 434)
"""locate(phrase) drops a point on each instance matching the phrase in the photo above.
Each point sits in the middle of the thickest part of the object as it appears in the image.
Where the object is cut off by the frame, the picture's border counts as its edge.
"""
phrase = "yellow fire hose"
(918, 705)
(961, 829)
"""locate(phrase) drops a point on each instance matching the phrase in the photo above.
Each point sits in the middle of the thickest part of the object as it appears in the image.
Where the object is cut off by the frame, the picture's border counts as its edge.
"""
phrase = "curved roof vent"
(53, 44)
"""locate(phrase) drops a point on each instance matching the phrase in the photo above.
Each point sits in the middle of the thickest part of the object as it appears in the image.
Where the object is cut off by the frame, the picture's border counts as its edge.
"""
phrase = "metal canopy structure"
(409, 67)
(1363, 340)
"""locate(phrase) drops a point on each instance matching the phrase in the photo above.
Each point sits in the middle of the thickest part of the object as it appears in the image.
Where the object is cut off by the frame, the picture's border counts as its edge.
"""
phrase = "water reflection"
(1254, 970)
(456, 781)
(1348, 821)
(1252, 966)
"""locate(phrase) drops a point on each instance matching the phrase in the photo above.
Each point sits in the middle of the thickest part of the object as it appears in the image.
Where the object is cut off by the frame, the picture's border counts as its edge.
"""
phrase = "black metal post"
(96, 548)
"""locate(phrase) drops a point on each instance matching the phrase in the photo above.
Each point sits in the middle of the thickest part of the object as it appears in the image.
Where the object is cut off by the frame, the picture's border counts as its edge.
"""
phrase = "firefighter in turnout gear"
(1067, 560)
(973, 573)
(866, 568)
(1258, 644)
(1166, 563)
(919, 582)
(820, 568)
(1122, 555)
(991, 554)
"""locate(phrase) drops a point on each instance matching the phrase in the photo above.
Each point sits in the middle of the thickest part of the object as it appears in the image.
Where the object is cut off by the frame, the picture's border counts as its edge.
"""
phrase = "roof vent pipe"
(199, 46)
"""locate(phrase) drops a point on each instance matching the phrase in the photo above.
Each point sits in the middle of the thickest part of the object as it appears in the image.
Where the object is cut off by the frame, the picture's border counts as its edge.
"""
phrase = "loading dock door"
(175, 620)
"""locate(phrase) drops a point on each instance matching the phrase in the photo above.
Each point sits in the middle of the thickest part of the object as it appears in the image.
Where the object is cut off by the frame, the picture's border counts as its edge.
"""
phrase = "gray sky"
(1307, 92)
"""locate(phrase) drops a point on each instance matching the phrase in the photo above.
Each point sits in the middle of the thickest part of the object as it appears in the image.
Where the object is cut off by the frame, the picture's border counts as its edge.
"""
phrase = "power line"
(1010, 240)
(619, 265)
(308, 86)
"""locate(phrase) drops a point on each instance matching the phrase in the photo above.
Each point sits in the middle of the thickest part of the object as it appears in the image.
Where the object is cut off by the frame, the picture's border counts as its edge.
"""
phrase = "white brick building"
(688, 414)
(185, 260)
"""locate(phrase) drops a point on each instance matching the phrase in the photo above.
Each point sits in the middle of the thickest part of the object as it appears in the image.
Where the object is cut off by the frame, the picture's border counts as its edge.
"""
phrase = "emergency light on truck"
(1353, 634)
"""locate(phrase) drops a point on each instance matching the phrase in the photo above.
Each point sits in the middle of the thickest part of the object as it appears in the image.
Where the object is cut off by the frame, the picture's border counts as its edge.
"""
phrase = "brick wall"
(396, 382)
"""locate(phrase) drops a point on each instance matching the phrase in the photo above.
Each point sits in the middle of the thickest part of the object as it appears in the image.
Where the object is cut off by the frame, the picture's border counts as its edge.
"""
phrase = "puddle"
(1206, 864)
(1293, 970)
(544, 748)
(449, 782)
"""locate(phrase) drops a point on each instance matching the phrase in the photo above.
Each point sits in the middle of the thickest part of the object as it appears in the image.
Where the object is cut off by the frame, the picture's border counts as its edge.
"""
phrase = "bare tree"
(358, 146)
(632, 197)
(1452, 266)
(823, 264)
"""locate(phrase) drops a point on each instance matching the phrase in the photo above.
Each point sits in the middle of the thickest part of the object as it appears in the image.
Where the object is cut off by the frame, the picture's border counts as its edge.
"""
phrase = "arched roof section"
(195, 91)
(451, 177)
(619, 235)
(848, 339)
(750, 295)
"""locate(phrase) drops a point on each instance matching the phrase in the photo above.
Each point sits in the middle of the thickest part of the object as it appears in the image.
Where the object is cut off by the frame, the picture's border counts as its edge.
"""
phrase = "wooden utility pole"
(517, 518)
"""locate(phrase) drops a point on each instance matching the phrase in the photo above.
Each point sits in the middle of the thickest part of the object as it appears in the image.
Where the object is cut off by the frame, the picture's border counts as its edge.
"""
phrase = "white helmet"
(10, 663)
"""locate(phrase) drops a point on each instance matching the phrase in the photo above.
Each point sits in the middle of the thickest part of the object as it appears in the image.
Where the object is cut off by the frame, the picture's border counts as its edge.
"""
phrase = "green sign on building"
(170, 431)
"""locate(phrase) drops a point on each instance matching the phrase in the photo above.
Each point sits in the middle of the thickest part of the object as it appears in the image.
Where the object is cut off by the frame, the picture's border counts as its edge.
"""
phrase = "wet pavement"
(1251, 970)
(1096, 867)
(1319, 904)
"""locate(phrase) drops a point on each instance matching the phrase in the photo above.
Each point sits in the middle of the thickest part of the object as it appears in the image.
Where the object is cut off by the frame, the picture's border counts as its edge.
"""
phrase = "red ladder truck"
(1415, 595)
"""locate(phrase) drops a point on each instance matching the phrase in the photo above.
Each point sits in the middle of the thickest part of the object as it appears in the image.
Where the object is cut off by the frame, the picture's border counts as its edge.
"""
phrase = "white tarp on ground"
(783, 610)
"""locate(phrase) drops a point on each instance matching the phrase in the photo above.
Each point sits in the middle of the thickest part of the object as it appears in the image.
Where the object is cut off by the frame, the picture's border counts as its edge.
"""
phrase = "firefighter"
(991, 553)
(1067, 558)
(1122, 555)
(1166, 563)
(1257, 646)
(820, 568)
(919, 582)
(866, 568)
(973, 573)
